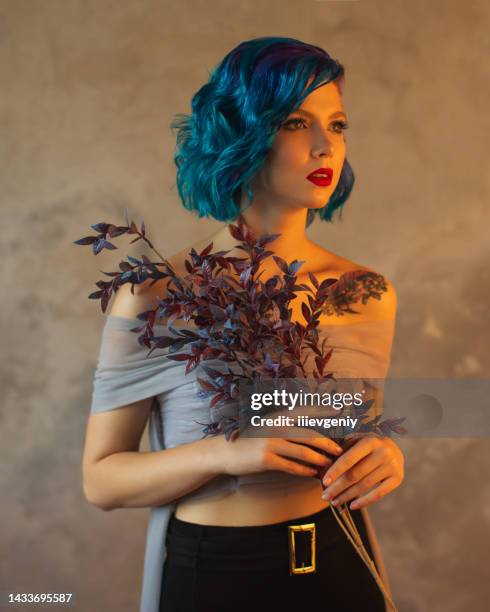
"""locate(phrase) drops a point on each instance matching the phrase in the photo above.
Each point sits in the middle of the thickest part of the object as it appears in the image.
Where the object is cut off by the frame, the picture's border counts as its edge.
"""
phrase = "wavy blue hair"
(235, 115)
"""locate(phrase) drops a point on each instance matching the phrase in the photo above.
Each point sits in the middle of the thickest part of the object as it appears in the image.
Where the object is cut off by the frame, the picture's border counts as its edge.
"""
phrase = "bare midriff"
(254, 504)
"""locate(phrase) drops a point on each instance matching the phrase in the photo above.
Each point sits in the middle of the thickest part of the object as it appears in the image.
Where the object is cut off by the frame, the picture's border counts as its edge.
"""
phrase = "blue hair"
(223, 143)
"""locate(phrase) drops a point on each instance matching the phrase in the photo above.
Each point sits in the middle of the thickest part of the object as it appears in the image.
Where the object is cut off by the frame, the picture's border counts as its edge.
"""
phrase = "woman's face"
(311, 138)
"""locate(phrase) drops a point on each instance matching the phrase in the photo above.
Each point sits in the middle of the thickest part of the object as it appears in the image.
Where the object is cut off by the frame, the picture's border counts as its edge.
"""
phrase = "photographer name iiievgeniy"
(302, 421)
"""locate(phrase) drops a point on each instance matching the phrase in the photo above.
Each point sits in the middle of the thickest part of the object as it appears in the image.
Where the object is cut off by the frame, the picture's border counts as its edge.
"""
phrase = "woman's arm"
(130, 478)
(117, 475)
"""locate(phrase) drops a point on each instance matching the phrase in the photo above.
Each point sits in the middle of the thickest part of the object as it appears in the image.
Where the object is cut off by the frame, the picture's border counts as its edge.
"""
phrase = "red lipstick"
(321, 177)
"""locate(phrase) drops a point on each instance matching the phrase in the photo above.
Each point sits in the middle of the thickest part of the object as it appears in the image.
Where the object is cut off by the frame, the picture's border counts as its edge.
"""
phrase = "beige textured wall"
(88, 91)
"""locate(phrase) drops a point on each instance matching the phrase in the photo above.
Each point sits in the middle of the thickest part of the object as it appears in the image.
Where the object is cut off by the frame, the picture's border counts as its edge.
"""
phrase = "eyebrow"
(311, 115)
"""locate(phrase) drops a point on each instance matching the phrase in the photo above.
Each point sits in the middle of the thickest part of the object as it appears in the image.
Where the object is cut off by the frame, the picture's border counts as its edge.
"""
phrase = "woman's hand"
(251, 455)
(370, 462)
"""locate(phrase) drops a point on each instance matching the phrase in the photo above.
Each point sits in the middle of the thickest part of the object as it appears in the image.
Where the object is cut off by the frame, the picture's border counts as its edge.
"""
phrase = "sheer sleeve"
(125, 372)
(359, 349)
(361, 354)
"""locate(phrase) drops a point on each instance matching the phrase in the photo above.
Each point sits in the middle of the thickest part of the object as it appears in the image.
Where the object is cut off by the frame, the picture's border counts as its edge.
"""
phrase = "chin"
(318, 205)
(319, 200)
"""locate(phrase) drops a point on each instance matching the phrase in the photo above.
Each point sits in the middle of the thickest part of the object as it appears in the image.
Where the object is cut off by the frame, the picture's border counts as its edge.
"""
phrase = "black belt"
(293, 544)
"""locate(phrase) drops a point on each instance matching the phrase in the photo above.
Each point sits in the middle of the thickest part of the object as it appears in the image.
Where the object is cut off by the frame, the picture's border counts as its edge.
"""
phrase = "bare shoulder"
(384, 308)
(129, 303)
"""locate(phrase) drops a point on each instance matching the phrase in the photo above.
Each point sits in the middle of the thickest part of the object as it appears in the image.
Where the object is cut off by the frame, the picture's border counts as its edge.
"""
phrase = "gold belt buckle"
(292, 529)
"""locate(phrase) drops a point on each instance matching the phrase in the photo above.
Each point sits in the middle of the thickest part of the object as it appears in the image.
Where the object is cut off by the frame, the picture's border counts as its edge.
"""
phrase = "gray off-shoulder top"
(125, 374)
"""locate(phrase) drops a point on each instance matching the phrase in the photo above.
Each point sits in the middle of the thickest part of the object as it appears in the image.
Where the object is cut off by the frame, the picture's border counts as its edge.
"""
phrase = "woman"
(265, 139)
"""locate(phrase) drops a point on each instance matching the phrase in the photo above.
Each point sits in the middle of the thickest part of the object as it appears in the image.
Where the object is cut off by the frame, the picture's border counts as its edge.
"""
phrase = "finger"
(363, 486)
(352, 476)
(348, 459)
(376, 494)
(322, 442)
(276, 462)
(302, 452)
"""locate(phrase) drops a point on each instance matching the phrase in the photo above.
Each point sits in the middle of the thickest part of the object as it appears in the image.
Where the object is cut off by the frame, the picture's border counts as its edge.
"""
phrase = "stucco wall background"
(89, 89)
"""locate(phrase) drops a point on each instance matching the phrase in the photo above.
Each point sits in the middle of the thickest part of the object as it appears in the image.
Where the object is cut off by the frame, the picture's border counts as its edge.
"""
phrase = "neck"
(293, 242)
(291, 224)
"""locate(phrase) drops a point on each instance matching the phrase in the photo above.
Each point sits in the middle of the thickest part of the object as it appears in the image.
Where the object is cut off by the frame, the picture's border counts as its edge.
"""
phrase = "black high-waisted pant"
(246, 569)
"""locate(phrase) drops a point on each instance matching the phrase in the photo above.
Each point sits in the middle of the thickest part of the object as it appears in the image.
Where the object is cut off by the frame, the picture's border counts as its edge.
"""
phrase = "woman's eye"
(293, 122)
(339, 126)
(343, 125)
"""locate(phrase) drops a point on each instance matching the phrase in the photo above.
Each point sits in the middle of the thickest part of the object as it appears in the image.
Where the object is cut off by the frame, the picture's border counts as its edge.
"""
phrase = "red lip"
(323, 181)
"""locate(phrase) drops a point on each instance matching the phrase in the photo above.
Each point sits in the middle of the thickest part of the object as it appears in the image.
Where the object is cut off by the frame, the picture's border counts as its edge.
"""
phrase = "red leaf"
(104, 302)
(206, 268)
(164, 342)
(95, 295)
(191, 365)
(250, 238)
(306, 311)
(326, 357)
(86, 240)
(235, 232)
(319, 364)
(216, 399)
(205, 384)
(281, 263)
(327, 282)
(206, 251)
(313, 280)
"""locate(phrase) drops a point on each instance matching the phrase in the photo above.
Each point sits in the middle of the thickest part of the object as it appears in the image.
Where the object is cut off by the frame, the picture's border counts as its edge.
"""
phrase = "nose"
(322, 146)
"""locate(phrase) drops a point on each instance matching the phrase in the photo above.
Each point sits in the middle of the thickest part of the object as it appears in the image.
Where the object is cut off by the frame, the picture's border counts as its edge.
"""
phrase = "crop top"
(125, 374)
